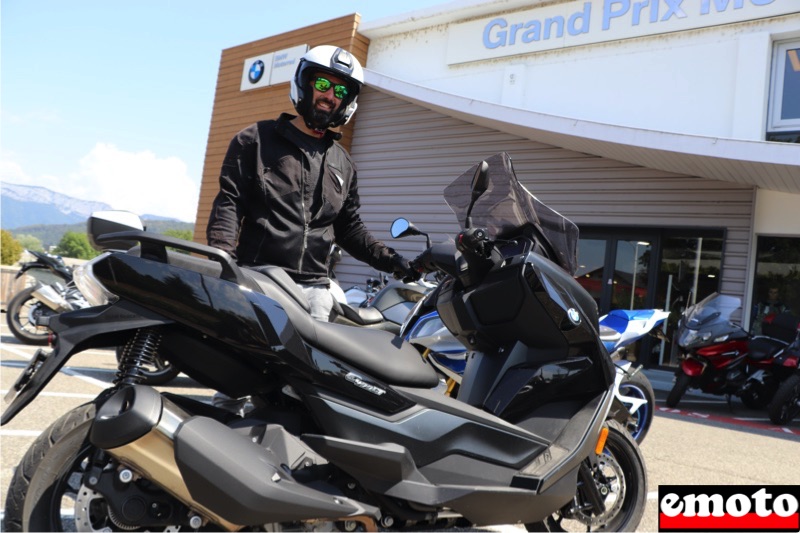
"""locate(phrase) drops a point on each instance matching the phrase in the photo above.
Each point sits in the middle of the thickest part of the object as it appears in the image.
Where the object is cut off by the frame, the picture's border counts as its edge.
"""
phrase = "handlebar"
(474, 241)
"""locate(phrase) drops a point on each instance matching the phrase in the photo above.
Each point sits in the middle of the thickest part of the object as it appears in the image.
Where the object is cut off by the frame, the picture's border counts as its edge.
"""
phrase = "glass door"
(666, 268)
(629, 284)
(616, 271)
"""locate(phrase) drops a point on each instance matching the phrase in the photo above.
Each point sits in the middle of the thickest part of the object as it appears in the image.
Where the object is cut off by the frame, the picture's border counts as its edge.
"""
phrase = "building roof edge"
(767, 165)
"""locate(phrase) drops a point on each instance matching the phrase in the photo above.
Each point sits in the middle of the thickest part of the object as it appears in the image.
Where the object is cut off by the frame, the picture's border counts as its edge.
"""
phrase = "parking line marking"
(19, 433)
(62, 395)
(18, 353)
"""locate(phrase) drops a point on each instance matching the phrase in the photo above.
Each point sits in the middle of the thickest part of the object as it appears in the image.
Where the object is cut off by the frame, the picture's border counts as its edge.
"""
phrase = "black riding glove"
(402, 269)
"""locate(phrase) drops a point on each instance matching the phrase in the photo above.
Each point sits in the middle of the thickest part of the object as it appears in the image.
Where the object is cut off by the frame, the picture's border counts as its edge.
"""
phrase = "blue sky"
(110, 100)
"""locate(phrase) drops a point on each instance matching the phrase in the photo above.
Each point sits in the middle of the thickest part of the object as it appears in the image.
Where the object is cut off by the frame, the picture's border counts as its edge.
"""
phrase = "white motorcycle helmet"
(336, 61)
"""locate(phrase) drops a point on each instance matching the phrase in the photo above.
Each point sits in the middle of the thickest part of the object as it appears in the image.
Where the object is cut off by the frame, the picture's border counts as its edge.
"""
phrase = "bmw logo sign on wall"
(256, 71)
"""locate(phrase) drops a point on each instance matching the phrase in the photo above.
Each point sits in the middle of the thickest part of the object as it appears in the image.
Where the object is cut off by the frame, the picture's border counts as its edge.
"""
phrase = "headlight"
(687, 338)
(90, 287)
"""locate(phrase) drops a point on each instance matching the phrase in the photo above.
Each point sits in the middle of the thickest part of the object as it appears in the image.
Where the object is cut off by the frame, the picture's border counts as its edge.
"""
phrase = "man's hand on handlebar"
(404, 270)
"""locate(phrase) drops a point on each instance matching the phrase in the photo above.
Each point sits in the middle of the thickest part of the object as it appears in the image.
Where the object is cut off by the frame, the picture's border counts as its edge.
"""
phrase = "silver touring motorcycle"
(347, 430)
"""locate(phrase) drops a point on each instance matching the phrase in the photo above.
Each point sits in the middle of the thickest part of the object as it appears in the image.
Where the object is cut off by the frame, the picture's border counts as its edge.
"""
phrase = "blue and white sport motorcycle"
(618, 329)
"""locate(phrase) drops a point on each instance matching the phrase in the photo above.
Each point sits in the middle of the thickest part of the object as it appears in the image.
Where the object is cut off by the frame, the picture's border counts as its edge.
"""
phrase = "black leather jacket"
(260, 218)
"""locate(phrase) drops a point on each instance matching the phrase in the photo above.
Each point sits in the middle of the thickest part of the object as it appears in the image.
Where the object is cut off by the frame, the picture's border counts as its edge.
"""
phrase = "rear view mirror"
(401, 227)
(480, 181)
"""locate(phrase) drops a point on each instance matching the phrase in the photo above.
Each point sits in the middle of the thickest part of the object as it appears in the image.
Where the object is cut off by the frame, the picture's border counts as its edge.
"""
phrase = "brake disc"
(90, 508)
(610, 480)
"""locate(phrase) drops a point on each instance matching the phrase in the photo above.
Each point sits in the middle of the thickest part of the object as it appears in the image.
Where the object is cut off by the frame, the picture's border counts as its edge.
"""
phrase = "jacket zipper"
(304, 178)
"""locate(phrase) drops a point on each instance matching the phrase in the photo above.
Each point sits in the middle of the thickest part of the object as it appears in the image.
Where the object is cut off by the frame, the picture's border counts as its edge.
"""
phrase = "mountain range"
(25, 205)
(47, 215)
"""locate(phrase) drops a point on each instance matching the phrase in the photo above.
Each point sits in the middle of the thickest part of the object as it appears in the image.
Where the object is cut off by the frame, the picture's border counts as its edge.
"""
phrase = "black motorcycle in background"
(347, 431)
(785, 404)
(29, 309)
(29, 312)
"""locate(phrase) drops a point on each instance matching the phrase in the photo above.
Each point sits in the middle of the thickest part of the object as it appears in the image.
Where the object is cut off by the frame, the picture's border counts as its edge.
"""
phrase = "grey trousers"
(320, 299)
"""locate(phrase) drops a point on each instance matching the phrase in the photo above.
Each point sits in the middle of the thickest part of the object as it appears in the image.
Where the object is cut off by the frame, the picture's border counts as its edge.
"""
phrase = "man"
(771, 306)
(288, 189)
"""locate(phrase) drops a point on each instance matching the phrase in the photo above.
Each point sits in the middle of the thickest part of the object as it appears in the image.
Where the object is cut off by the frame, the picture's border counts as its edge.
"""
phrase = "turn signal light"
(601, 441)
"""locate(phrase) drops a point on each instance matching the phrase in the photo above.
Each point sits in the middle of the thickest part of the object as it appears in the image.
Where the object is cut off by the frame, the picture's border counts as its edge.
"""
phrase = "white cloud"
(139, 182)
(134, 181)
(11, 172)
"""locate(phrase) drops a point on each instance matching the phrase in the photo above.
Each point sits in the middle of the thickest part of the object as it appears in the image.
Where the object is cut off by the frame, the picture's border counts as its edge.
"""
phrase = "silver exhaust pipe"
(51, 298)
(209, 467)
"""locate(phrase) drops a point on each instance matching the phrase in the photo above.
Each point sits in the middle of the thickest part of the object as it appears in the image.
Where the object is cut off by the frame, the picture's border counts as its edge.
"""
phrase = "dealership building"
(667, 130)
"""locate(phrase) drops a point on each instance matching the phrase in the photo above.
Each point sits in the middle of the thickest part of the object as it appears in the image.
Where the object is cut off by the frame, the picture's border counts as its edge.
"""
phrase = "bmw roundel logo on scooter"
(256, 71)
(574, 316)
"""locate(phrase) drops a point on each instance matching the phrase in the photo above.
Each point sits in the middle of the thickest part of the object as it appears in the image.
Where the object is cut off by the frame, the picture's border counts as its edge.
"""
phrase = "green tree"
(76, 245)
(10, 249)
(185, 234)
(30, 242)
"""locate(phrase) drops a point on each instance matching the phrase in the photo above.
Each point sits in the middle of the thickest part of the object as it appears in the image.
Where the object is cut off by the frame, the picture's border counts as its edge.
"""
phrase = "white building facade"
(666, 129)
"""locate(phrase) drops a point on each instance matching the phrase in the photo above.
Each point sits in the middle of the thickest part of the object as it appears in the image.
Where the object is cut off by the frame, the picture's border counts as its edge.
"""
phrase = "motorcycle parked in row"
(387, 309)
(355, 296)
(618, 329)
(785, 404)
(28, 309)
(346, 431)
(385, 305)
(720, 357)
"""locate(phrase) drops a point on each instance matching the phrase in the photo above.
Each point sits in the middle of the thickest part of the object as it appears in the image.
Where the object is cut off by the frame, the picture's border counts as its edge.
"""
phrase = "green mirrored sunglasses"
(323, 84)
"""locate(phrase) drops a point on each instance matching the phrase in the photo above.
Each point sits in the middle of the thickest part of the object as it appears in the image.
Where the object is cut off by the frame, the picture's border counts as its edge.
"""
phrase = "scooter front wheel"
(621, 479)
(678, 390)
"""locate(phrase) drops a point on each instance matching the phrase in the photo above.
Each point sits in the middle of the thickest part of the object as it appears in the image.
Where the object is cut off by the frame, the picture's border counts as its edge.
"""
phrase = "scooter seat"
(363, 316)
(379, 353)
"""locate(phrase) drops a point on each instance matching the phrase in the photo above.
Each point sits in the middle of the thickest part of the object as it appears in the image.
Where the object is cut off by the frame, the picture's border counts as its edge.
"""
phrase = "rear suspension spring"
(139, 353)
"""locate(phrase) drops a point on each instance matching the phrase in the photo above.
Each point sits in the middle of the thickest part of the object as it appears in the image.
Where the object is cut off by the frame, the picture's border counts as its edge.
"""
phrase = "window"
(784, 115)
(777, 284)
(669, 268)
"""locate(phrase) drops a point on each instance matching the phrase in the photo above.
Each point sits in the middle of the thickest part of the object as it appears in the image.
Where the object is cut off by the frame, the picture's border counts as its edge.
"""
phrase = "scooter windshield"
(712, 310)
(507, 205)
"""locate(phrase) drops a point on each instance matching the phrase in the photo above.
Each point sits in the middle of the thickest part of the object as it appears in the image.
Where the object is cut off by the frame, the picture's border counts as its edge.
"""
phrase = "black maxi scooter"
(347, 431)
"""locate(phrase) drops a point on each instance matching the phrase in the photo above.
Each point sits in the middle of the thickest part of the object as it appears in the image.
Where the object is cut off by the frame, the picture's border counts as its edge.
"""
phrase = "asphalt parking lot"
(704, 441)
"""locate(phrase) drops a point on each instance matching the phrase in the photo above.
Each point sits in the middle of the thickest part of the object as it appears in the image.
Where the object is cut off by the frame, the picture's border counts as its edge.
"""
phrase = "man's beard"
(320, 119)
